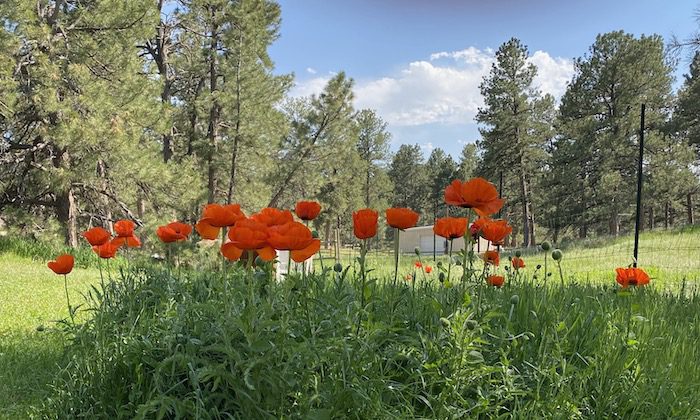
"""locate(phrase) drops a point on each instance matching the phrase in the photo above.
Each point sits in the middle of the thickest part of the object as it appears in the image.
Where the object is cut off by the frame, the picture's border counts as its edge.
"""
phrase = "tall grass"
(233, 345)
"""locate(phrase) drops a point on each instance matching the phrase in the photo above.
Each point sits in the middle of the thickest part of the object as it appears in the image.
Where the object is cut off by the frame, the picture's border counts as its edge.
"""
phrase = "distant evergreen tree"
(410, 179)
(594, 159)
(515, 129)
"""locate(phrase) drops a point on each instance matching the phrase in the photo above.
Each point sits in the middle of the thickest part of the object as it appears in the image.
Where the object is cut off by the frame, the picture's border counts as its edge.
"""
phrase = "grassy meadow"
(208, 343)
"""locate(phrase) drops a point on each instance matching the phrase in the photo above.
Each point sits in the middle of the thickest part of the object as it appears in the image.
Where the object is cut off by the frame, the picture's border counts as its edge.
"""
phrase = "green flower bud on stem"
(557, 255)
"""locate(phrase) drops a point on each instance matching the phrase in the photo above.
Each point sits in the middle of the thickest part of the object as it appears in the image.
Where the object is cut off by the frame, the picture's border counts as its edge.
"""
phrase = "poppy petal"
(206, 230)
(302, 255)
(230, 251)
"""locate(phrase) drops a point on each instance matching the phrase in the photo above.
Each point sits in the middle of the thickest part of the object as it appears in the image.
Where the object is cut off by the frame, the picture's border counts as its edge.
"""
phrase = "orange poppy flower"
(215, 216)
(491, 257)
(477, 194)
(124, 228)
(173, 232)
(248, 234)
(364, 223)
(307, 210)
(270, 216)
(301, 255)
(475, 228)
(632, 276)
(450, 227)
(428, 269)
(495, 281)
(496, 231)
(518, 263)
(401, 217)
(107, 250)
(63, 264)
(220, 216)
(97, 236)
(418, 264)
(290, 236)
(130, 241)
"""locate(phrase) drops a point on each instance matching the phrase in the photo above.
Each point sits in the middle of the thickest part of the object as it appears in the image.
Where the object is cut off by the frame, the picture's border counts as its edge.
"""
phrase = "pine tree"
(373, 149)
(596, 154)
(77, 143)
(410, 179)
(514, 132)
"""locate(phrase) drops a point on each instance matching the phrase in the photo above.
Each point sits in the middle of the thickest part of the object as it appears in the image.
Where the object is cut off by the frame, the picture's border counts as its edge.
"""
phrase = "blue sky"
(419, 62)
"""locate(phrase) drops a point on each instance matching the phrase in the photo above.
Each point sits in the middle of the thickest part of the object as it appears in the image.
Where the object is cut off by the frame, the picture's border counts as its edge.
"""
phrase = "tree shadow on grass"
(28, 363)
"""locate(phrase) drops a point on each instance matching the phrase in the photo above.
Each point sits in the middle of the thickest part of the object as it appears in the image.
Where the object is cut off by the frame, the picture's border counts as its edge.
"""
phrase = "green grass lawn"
(32, 300)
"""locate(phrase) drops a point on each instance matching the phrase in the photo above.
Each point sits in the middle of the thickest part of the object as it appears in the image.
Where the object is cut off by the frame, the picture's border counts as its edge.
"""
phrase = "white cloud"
(443, 89)
(553, 73)
(311, 70)
(427, 146)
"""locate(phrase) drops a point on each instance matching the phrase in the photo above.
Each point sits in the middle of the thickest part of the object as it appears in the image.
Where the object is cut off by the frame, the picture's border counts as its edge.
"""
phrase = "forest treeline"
(148, 109)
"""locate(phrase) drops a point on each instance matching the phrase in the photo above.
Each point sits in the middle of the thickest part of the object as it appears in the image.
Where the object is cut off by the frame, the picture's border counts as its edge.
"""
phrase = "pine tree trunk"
(102, 173)
(213, 130)
(689, 203)
(237, 132)
(614, 224)
(367, 184)
(525, 203)
(583, 231)
(67, 215)
(666, 215)
(327, 236)
(651, 218)
(160, 55)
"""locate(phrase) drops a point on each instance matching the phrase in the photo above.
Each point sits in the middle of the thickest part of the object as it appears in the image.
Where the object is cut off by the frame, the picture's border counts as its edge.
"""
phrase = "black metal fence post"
(638, 221)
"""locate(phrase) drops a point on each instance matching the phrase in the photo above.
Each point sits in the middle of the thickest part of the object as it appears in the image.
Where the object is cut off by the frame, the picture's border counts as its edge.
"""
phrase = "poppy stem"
(561, 274)
(545, 268)
(363, 253)
(70, 311)
(396, 255)
(99, 266)
(449, 264)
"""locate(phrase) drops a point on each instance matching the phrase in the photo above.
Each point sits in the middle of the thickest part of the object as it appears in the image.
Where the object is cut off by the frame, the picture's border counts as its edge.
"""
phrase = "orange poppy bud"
(518, 263)
(401, 217)
(450, 227)
(97, 236)
(63, 264)
(248, 234)
(290, 236)
(124, 228)
(107, 250)
(495, 281)
(491, 257)
(632, 276)
(307, 210)
(364, 223)
(477, 194)
(496, 231)
(270, 216)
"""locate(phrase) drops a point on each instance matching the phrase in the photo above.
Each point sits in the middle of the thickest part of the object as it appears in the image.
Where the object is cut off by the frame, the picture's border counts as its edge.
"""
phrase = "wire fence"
(671, 257)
